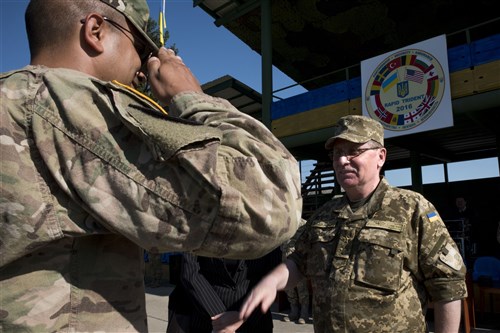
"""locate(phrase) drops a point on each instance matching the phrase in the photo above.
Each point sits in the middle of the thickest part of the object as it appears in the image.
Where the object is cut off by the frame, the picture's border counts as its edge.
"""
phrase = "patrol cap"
(358, 129)
(137, 12)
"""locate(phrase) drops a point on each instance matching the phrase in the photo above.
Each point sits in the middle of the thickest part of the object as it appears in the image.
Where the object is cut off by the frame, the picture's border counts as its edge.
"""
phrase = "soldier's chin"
(348, 182)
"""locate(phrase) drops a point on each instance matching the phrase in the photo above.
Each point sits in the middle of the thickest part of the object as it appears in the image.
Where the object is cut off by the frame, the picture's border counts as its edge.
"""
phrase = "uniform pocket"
(320, 256)
(379, 259)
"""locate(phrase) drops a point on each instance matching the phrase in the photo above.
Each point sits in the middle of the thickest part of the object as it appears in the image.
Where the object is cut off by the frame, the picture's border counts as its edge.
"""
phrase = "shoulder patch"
(433, 216)
(451, 257)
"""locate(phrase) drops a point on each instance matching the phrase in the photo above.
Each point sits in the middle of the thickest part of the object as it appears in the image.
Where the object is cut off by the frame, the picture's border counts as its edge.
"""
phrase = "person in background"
(376, 255)
(463, 226)
(298, 297)
(478, 229)
(462, 211)
(93, 172)
(156, 269)
(215, 288)
(461, 205)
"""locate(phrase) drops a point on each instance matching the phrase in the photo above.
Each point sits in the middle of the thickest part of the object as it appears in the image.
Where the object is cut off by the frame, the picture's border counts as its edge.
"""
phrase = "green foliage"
(154, 33)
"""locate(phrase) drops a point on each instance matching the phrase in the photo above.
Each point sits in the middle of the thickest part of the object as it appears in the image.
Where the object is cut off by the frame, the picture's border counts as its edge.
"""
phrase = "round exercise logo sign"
(405, 89)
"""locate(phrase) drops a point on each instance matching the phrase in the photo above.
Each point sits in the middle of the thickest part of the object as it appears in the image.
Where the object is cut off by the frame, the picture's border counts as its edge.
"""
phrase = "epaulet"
(141, 95)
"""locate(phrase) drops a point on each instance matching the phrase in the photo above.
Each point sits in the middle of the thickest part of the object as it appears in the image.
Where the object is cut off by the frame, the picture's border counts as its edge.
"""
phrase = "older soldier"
(92, 172)
(376, 255)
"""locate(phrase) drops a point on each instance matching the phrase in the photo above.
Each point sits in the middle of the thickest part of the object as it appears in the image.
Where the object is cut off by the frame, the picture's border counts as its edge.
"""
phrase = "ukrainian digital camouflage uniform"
(92, 173)
(375, 270)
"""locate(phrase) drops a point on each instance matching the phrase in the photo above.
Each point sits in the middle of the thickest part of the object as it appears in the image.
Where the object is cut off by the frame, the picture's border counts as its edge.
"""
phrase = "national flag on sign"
(395, 63)
(390, 81)
(414, 75)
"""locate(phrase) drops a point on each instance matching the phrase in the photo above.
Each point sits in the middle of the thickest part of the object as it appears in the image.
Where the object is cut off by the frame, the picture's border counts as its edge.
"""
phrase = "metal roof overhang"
(343, 38)
(239, 94)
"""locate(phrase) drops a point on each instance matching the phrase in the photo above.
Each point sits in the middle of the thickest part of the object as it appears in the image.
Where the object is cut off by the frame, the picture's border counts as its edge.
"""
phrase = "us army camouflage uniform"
(91, 174)
(375, 270)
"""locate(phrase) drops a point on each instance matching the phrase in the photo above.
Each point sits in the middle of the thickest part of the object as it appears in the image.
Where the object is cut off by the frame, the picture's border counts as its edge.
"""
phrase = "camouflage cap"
(137, 12)
(358, 129)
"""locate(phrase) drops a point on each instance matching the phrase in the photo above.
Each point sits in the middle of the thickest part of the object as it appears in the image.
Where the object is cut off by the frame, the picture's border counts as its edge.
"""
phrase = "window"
(473, 169)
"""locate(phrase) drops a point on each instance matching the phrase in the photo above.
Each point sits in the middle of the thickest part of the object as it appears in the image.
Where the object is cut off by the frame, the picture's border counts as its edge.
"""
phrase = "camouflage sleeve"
(301, 248)
(87, 157)
(260, 179)
(289, 246)
(440, 261)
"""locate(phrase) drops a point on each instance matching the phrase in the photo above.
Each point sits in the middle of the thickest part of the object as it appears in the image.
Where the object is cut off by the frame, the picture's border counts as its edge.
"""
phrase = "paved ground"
(157, 303)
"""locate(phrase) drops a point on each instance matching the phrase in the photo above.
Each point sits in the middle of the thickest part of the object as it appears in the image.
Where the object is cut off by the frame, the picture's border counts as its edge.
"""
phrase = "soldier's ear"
(93, 33)
(382, 154)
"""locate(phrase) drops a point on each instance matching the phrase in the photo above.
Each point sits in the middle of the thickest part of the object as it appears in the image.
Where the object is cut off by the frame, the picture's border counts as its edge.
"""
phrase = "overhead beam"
(239, 11)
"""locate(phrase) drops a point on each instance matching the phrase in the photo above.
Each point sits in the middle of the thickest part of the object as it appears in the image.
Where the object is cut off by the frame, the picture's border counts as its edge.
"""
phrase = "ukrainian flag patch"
(433, 216)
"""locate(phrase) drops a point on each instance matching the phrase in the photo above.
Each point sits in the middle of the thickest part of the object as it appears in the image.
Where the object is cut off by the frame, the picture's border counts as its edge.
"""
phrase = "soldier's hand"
(262, 295)
(168, 76)
(226, 322)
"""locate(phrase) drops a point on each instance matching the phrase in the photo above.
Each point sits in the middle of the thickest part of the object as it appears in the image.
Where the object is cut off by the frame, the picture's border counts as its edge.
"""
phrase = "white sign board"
(408, 90)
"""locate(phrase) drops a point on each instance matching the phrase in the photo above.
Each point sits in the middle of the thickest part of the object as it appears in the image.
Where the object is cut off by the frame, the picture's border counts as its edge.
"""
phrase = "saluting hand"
(168, 76)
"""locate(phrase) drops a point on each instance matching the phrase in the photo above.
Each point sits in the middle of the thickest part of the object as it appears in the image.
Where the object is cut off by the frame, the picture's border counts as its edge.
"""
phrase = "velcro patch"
(451, 257)
(387, 225)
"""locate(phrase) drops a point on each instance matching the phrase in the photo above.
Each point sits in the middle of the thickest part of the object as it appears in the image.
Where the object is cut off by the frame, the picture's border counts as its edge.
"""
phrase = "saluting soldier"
(93, 172)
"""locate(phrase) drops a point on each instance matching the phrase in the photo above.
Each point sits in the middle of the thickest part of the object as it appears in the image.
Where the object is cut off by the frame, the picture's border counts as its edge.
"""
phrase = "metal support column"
(416, 172)
(267, 61)
(498, 152)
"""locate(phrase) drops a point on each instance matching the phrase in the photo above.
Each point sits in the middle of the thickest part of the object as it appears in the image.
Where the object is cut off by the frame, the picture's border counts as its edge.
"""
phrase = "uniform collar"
(373, 204)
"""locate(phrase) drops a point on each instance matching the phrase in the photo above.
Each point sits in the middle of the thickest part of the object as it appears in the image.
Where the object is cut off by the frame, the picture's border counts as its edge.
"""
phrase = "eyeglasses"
(140, 45)
(351, 154)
